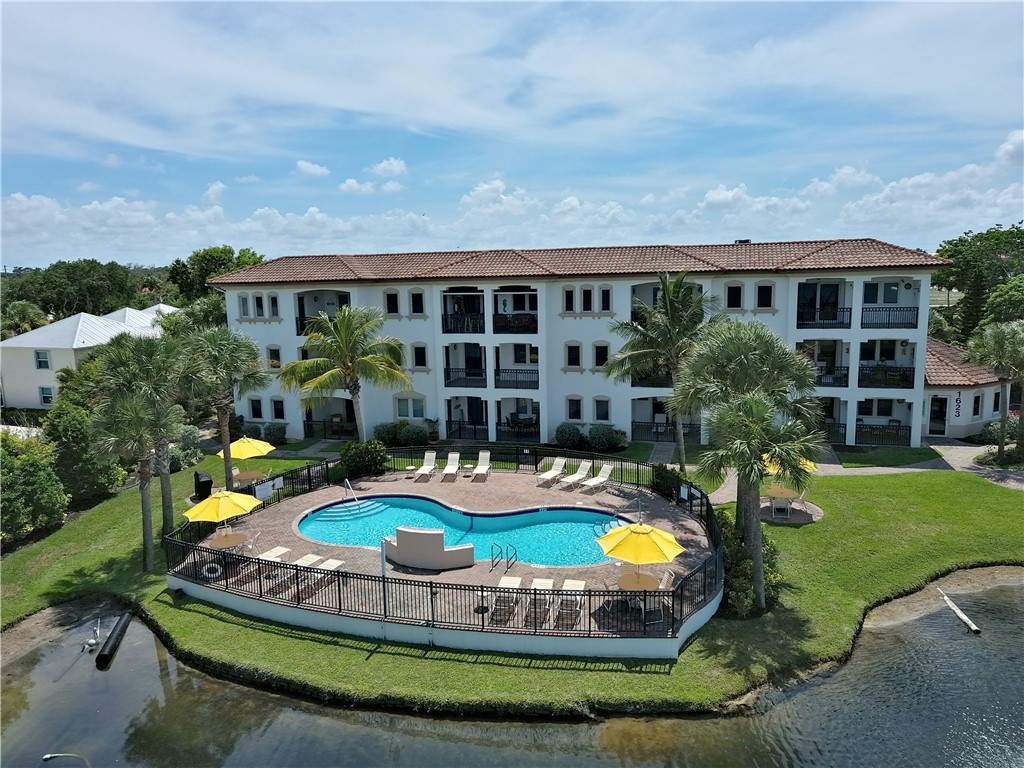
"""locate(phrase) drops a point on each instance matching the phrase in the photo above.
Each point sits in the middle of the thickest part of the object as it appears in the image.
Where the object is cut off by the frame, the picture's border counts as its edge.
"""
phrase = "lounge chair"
(539, 604)
(569, 607)
(307, 560)
(429, 466)
(598, 480)
(581, 474)
(274, 554)
(483, 465)
(556, 471)
(451, 469)
(503, 608)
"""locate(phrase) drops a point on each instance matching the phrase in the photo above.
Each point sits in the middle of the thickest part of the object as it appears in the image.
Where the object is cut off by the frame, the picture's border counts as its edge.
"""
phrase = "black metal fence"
(888, 317)
(663, 432)
(590, 612)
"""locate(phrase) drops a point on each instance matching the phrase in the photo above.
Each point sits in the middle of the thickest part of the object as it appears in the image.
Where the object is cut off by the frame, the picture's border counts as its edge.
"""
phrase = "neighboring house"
(960, 397)
(505, 345)
(29, 361)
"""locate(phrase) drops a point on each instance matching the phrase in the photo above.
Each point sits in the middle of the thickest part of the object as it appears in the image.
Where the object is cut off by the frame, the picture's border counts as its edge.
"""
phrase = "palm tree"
(1001, 346)
(756, 396)
(229, 364)
(20, 317)
(662, 337)
(343, 352)
(157, 374)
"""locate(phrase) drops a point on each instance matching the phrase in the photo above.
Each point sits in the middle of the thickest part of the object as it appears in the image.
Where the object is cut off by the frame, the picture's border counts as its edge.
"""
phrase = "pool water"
(549, 536)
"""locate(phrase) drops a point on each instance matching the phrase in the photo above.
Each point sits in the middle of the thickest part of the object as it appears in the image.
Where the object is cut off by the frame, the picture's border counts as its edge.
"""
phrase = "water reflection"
(924, 693)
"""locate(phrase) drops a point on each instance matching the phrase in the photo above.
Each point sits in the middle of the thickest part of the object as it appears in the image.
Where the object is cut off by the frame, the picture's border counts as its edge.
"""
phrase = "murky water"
(925, 693)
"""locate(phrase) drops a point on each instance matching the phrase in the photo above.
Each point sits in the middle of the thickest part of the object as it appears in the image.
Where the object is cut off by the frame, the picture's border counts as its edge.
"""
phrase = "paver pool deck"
(500, 492)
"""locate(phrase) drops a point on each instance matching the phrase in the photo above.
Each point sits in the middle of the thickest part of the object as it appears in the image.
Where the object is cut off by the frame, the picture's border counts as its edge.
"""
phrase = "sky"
(141, 132)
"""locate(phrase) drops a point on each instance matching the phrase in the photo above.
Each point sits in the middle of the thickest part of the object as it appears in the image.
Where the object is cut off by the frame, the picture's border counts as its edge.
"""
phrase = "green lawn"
(299, 445)
(881, 537)
(886, 457)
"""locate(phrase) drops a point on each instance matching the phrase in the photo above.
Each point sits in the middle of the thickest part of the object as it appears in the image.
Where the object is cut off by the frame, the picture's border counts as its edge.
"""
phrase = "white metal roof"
(80, 331)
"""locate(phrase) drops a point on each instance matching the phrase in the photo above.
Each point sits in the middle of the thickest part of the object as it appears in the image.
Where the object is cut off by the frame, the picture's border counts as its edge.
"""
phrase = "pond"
(920, 693)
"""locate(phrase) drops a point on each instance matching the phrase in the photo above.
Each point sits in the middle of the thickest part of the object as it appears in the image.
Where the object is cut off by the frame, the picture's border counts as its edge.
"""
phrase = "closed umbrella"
(222, 506)
(640, 543)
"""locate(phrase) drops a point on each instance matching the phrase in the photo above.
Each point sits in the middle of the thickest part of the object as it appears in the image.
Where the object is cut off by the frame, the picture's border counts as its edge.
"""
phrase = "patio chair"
(429, 466)
(250, 545)
(451, 469)
(569, 607)
(660, 423)
(556, 471)
(659, 601)
(539, 604)
(483, 465)
(506, 603)
(598, 480)
(581, 474)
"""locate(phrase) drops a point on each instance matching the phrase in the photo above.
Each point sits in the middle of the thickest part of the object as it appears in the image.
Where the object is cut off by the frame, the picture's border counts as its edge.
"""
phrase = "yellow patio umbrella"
(222, 506)
(640, 543)
(248, 448)
(774, 468)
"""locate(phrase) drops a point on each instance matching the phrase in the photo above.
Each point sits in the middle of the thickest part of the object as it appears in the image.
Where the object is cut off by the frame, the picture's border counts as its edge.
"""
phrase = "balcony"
(823, 317)
(518, 429)
(835, 432)
(462, 322)
(518, 322)
(465, 377)
(658, 380)
(517, 378)
(834, 376)
(458, 429)
(893, 433)
(663, 432)
(888, 317)
(886, 377)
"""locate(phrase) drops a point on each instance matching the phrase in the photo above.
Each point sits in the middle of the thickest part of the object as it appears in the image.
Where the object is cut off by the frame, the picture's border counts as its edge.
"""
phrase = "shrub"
(190, 438)
(738, 601)
(253, 429)
(605, 437)
(389, 433)
(84, 473)
(990, 434)
(182, 457)
(364, 459)
(413, 434)
(666, 482)
(32, 499)
(275, 434)
(567, 435)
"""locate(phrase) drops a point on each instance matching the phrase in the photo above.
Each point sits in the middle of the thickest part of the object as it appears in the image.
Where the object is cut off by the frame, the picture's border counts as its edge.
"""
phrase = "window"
(890, 293)
(274, 357)
(606, 299)
(416, 303)
(865, 407)
(42, 359)
(243, 306)
(274, 308)
(883, 350)
(258, 305)
(977, 406)
(46, 395)
(870, 293)
(419, 356)
(734, 297)
(409, 407)
(883, 407)
(602, 409)
(765, 296)
(574, 409)
(569, 300)
(391, 303)
(572, 356)
(255, 408)
(277, 408)
(996, 401)
(587, 300)
(600, 355)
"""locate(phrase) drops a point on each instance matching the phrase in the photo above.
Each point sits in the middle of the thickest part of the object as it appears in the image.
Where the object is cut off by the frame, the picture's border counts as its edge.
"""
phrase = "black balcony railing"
(462, 322)
(519, 322)
(513, 431)
(823, 317)
(888, 317)
(328, 430)
(882, 434)
(886, 376)
(836, 376)
(658, 380)
(455, 429)
(517, 378)
(663, 432)
(835, 432)
(465, 377)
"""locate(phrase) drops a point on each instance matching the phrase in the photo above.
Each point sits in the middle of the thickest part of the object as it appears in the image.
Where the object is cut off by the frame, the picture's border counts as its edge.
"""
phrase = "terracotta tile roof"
(947, 366)
(578, 262)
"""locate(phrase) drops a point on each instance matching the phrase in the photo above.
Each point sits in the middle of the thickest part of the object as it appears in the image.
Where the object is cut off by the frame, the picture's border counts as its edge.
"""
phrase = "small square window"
(887, 350)
(733, 296)
(870, 293)
(243, 306)
(274, 357)
(574, 409)
(416, 303)
(865, 407)
(391, 303)
(600, 355)
(42, 359)
(520, 353)
(587, 300)
(867, 350)
(883, 407)
(46, 395)
(890, 293)
(601, 410)
(274, 308)
(518, 302)
(765, 296)
(419, 356)
(572, 356)
(569, 300)
(258, 304)
(255, 408)
(606, 299)
(277, 406)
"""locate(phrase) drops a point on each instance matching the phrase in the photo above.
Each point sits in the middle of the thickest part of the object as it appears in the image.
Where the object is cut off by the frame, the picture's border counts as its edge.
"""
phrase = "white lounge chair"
(429, 466)
(539, 604)
(569, 607)
(483, 465)
(274, 554)
(581, 474)
(451, 469)
(308, 560)
(505, 604)
(598, 480)
(556, 471)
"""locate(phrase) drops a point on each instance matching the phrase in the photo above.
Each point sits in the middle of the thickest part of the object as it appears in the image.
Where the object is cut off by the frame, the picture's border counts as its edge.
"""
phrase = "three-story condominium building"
(505, 345)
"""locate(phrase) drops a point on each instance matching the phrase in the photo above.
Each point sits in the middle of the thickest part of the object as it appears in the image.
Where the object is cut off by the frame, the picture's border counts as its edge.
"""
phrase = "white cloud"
(671, 196)
(489, 198)
(250, 179)
(87, 186)
(354, 187)
(391, 186)
(392, 166)
(214, 192)
(1011, 151)
(312, 169)
(845, 177)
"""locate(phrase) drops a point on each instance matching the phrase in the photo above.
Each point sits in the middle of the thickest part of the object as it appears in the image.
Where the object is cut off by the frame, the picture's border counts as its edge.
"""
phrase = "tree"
(191, 275)
(68, 287)
(756, 396)
(662, 337)
(1001, 346)
(981, 261)
(19, 317)
(31, 496)
(343, 352)
(229, 364)
(1006, 302)
(84, 474)
(205, 312)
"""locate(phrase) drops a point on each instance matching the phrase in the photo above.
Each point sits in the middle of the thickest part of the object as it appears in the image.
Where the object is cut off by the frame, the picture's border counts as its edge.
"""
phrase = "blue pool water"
(550, 536)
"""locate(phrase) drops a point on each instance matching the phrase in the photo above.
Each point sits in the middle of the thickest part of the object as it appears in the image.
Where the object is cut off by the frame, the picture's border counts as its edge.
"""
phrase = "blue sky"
(139, 132)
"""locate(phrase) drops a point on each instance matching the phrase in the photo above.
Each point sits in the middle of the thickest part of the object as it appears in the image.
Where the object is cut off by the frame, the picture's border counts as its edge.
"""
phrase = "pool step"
(600, 529)
(352, 511)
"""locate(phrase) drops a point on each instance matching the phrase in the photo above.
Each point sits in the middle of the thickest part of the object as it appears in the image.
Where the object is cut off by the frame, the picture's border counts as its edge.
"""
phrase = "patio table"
(637, 581)
(227, 541)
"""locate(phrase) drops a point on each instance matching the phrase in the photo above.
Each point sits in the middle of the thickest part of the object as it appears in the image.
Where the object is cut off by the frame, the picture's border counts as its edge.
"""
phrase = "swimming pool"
(548, 536)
